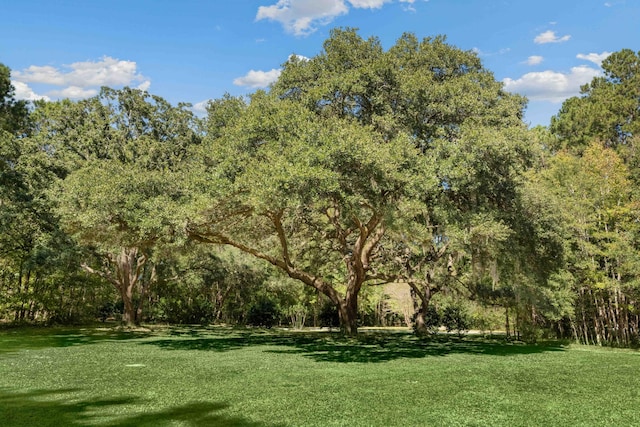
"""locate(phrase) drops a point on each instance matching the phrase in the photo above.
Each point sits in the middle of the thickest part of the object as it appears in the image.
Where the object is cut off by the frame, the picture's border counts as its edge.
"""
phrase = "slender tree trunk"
(25, 294)
(585, 328)
(506, 321)
(18, 291)
(596, 321)
(220, 298)
(575, 331)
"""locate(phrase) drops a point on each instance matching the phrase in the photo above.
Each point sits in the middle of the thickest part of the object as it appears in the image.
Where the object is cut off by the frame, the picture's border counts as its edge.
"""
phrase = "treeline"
(365, 187)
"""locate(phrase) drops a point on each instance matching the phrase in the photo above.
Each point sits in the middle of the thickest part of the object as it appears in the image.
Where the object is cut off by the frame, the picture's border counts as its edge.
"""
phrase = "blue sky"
(195, 50)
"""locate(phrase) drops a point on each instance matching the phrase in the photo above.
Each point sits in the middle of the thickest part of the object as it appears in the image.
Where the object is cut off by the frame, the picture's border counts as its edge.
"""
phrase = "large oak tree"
(371, 141)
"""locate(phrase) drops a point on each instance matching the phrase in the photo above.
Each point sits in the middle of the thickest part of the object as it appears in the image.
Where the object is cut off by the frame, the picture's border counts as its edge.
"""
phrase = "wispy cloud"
(480, 52)
(551, 85)
(80, 79)
(534, 60)
(409, 5)
(550, 37)
(596, 58)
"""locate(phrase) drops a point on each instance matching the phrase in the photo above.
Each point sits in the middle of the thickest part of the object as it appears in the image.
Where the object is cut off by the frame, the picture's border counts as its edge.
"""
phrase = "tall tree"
(456, 114)
(601, 214)
(598, 171)
(456, 118)
(23, 212)
(118, 156)
(608, 108)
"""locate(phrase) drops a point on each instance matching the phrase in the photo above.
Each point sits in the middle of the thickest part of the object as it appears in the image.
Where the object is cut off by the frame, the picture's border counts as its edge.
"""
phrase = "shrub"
(456, 318)
(264, 312)
(329, 316)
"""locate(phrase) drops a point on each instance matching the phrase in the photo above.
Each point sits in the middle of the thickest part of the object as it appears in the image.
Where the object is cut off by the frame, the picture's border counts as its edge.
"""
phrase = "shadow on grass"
(31, 338)
(331, 347)
(56, 408)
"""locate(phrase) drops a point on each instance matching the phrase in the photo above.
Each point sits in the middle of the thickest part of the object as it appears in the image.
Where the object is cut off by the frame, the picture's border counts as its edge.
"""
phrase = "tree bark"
(507, 327)
(348, 311)
(123, 271)
(356, 256)
(424, 297)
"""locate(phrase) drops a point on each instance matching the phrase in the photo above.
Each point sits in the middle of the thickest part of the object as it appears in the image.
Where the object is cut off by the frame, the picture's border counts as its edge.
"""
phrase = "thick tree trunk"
(128, 314)
(348, 311)
(420, 323)
(124, 271)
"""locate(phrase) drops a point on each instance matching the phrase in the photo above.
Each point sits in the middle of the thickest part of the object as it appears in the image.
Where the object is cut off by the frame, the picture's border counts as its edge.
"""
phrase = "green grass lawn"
(224, 377)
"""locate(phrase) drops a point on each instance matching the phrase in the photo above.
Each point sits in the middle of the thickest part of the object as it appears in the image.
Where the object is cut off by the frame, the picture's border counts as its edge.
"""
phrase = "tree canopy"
(357, 142)
(118, 156)
(362, 172)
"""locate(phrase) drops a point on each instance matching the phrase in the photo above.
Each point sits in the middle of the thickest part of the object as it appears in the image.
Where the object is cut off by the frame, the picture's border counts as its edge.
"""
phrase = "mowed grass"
(225, 377)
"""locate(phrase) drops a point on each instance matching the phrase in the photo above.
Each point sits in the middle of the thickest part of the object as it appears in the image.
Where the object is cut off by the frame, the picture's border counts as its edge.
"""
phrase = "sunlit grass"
(223, 377)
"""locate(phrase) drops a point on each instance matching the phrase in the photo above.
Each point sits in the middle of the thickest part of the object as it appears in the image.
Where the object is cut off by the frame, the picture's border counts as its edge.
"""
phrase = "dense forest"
(366, 187)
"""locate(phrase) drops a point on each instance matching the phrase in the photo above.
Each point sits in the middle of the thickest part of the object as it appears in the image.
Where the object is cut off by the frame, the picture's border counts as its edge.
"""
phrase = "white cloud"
(106, 72)
(81, 79)
(596, 58)
(550, 37)
(73, 92)
(551, 85)
(144, 85)
(23, 91)
(301, 17)
(200, 107)
(534, 60)
(262, 79)
(36, 74)
(258, 79)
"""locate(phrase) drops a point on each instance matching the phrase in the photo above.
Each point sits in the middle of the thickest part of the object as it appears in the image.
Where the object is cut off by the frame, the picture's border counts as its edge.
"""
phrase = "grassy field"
(223, 377)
